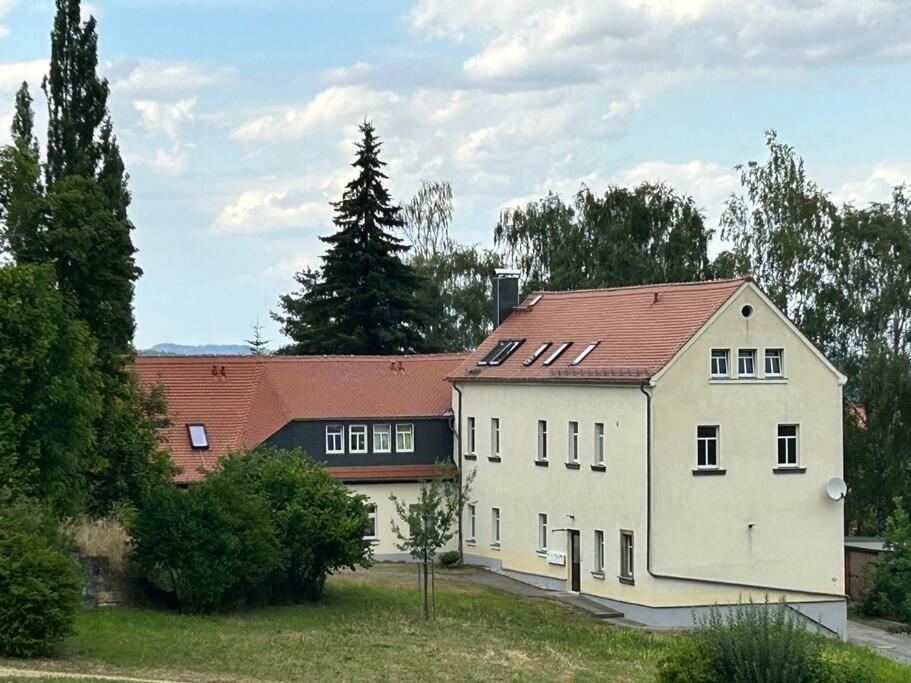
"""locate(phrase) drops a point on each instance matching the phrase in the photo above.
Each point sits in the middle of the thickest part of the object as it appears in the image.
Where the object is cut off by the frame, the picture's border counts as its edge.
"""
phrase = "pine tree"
(257, 344)
(363, 300)
(21, 193)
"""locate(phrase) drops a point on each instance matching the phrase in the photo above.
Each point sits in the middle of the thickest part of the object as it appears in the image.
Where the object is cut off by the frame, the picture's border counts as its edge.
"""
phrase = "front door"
(575, 569)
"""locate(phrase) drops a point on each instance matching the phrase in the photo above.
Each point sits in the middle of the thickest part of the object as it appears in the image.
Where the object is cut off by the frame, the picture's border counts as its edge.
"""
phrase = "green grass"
(368, 628)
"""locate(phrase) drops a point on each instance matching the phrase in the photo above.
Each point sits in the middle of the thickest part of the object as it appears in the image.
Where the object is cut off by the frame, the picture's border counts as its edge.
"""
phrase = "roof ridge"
(654, 285)
(254, 360)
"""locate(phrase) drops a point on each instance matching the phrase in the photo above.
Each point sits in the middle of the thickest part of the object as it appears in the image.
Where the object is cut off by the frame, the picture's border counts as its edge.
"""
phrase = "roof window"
(198, 438)
(558, 352)
(502, 350)
(581, 357)
(537, 354)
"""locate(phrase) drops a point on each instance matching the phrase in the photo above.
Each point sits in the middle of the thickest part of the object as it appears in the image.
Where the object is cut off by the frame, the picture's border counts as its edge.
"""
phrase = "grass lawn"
(368, 628)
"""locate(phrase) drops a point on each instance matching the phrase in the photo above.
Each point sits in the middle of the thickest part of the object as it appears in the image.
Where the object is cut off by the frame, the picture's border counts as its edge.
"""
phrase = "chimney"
(505, 294)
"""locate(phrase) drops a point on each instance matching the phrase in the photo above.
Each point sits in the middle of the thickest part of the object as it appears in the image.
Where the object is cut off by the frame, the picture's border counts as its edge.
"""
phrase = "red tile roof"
(242, 400)
(389, 472)
(639, 329)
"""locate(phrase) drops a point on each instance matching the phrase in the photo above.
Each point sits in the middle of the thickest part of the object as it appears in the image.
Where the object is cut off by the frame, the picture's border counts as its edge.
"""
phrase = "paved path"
(893, 645)
(13, 672)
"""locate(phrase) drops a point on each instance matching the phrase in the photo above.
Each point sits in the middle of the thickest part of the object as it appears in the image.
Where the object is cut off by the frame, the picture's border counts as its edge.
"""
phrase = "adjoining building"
(660, 449)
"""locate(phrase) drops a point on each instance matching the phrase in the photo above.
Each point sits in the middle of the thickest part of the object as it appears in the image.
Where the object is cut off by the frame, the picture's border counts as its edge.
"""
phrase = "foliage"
(841, 665)
(48, 390)
(457, 277)
(892, 595)
(686, 661)
(450, 558)
(363, 299)
(39, 583)
(269, 526)
(258, 345)
(99, 537)
(626, 237)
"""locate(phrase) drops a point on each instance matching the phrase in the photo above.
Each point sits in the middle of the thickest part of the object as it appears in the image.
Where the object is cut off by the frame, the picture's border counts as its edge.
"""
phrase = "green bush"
(892, 595)
(268, 527)
(838, 665)
(686, 662)
(450, 558)
(39, 585)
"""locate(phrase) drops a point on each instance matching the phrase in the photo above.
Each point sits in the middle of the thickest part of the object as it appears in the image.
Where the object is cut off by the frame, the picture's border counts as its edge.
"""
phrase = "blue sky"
(236, 118)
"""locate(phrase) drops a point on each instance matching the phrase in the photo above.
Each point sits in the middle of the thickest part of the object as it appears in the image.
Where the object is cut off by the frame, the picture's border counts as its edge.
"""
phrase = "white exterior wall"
(379, 493)
(700, 523)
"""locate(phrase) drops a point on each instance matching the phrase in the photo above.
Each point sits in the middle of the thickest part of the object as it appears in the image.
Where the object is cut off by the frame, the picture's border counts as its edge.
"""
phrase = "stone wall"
(101, 585)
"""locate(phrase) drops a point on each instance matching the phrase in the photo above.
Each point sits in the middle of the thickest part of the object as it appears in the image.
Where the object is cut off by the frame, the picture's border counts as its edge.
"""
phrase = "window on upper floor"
(542, 532)
(626, 556)
(746, 363)
(788, 446)
(470, 436)
(495, 437)
(357, 439)
(404, 438)
(335, 439)
(707, 446)
(774, 366)
(599, 443)
(199, 440)
(720, 363)
(542, 440)
(370, 528)
(572, 452)
(382, 438)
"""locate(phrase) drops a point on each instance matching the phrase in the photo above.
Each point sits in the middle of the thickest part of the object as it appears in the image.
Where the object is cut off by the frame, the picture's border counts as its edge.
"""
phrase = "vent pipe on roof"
(505, 294)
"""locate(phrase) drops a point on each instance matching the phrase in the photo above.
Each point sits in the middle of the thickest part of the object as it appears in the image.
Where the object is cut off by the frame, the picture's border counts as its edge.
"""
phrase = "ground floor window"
(495, 526)
(599, 552)
(542, 531)
(472, 523)
(370, 529)
(626, 555)
(787, 445)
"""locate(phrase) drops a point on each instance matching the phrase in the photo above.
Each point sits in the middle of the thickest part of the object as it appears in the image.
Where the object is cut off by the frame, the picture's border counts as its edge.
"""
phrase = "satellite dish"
(836, 488)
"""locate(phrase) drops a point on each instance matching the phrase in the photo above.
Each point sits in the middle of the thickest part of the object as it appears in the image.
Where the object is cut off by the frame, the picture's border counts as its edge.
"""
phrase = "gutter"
(457, 433)
(648, 524)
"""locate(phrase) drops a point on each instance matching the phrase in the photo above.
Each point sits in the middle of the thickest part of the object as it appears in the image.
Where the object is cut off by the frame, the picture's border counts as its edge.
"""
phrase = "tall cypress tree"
(364, 298)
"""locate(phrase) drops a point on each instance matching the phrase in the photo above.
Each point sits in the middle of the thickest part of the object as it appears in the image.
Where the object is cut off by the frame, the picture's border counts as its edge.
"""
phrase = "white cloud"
(876, 187)
(709, 184)
(288, 266)
(160, 117)
(90, 9)
(12, 74)
(6, 7)
(171, 162)
(149, 76)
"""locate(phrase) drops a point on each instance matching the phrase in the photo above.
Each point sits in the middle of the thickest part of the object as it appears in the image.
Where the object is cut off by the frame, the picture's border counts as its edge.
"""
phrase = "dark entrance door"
(575, 568)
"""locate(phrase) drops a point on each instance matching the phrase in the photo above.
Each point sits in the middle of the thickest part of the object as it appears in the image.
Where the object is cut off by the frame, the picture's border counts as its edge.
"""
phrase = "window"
(581, 357)
(773, 365)
(537, 354)
(707, 446)
(370, 529)
(599, 552)
(542, 532)
(502, 350)
(573, 449)
(415, 522)
(198, 437)
(626, 555)
(382, 438)
(470, 435)
(357, 439)
(599, 443)
(787, 446)
(542, 439)
(495, 526)
(335, 439)
(720, 363)
(746, 363)
(495, 437)
(556, 354)
(472, 523)
(404, 438)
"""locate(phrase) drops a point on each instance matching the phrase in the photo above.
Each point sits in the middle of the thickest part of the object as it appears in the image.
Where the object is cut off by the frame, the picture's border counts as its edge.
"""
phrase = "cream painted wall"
(701, 523)
(384, 544)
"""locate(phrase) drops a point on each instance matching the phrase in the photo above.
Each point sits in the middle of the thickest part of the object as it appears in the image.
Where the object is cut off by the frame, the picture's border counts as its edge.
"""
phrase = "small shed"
(862, 554)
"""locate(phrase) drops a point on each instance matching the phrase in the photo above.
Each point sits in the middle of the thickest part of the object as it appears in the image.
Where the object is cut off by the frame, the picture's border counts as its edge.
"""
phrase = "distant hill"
(201, 350)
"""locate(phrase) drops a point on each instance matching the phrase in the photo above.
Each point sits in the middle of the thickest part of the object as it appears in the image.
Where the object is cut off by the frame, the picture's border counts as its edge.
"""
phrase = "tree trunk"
(426, 603)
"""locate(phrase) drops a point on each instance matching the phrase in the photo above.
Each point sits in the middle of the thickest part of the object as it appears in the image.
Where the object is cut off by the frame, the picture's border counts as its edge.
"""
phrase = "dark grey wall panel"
(432, 442)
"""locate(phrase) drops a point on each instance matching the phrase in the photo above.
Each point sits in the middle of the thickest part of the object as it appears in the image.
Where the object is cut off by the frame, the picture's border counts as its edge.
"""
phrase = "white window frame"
(721, 354)
(402, 430)
(776, 354)
(627, 555)
(195, 432)
(542, 440)
(495, 437)
(581, 357)
(572, 446)
(796, 439)
(495, 528)
(598, 547)
(471, 433)
(716, 437)
(542, 532)
(371, 516)
(357, 433)
(472, 524)
(379, 431)
(335, 432)
(599, 444)
(746, 353)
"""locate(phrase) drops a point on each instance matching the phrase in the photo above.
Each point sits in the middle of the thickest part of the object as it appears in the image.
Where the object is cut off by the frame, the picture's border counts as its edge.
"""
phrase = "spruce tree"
(258, 346)
(363, 300)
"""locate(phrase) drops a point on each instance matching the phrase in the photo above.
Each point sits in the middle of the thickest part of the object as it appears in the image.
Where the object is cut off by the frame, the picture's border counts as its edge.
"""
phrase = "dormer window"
(198, 437)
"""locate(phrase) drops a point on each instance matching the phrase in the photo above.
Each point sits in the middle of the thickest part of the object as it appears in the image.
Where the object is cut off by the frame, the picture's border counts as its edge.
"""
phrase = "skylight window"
(557, 353)
(198, 438)
(535, 300)
(581, 357)
(537, 354)
(502, 350)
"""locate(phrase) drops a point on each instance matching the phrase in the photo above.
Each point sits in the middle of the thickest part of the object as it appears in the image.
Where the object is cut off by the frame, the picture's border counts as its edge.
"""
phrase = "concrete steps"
(589, 605)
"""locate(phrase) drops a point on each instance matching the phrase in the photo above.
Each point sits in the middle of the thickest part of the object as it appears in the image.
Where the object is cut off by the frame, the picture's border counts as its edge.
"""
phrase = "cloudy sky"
(236, 118)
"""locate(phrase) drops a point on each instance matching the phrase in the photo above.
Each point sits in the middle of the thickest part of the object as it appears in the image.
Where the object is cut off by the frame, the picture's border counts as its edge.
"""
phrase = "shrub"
(892, 595)
(450, 558)
(686, 662)
(104, 537)
(39, 584)
(838, 665)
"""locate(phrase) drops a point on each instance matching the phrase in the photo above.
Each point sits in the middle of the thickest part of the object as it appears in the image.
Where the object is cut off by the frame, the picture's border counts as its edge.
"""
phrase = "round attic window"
(746, 311)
